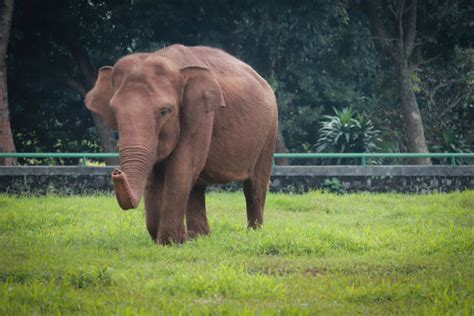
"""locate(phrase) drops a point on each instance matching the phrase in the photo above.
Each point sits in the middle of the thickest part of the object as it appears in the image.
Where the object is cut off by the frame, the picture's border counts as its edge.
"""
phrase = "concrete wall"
(421, 179)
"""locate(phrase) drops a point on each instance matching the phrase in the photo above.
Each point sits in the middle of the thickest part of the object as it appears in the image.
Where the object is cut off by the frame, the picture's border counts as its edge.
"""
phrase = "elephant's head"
(150, 101)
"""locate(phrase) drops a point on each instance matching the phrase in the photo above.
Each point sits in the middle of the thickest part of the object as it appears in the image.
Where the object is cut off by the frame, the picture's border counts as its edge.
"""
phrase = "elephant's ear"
(202, 94)
(97, 100)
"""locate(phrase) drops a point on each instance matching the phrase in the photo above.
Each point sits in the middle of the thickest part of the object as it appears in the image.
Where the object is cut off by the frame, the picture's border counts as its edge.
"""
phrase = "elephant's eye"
(164, 112)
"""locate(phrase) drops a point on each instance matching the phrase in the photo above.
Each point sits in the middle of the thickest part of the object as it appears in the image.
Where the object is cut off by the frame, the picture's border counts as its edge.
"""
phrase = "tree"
(398, 43)
(89, 73)
(6, 136)
(48, 62)
(69, 38)
(447, 92)
(311, 54)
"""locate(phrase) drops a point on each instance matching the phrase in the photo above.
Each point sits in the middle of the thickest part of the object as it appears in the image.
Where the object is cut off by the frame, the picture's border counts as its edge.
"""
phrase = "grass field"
(317, 254)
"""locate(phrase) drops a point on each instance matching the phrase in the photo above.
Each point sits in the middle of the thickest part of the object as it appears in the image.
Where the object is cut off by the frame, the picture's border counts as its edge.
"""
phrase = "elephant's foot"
(167, 236)
(196, 228)
(152, 233)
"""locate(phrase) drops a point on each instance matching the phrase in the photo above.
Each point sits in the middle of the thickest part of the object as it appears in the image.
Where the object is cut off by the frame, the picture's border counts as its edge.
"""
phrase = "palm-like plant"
(347, 132)
(452, 142)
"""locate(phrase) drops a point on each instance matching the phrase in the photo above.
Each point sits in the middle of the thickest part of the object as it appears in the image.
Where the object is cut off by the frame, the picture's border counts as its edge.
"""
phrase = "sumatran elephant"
(187, 117)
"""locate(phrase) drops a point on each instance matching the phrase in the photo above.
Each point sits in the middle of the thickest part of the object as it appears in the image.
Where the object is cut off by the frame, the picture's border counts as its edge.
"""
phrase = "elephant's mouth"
(125, 196)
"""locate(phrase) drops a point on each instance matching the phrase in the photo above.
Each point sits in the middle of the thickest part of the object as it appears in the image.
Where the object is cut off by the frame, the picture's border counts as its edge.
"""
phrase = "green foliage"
(334, 185)
(316, 55)
(447, 93)
(347, 132)
(318, 253)
(294, 46)
(451, 142)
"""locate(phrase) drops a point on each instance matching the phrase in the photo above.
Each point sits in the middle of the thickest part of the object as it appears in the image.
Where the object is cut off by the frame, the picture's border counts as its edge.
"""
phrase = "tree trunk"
(6, 136)
(105, 133)
(398, 45)
(415, 133)
(107, 139)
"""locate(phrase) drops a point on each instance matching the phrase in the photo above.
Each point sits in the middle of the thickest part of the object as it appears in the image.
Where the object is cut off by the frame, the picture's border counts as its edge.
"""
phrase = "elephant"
(187, 117)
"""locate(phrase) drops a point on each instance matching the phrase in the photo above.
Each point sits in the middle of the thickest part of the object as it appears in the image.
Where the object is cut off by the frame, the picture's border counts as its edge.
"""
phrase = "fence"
(289, 178)
(362, 156)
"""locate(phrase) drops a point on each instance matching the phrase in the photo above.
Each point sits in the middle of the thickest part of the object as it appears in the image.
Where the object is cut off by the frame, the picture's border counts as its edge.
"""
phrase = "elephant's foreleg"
(153, 199)
(196, 219)
(177, 189)
(152, 214)
(171, 226)
(181, 173)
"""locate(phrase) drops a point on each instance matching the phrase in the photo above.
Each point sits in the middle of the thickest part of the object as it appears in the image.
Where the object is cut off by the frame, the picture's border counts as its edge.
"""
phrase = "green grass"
(317, 254)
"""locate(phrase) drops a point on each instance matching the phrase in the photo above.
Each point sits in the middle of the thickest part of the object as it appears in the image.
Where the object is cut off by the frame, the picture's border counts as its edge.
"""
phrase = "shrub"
(347, 132)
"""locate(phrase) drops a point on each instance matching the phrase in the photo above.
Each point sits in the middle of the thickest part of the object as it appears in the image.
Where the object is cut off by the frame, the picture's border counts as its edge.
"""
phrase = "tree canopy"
(319, 56)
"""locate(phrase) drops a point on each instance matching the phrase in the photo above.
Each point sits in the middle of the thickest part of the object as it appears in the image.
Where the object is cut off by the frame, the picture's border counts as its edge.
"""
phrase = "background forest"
(336, 67)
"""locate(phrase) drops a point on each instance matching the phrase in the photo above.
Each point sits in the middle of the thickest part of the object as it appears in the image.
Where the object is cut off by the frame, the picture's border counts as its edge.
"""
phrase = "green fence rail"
(362, 156)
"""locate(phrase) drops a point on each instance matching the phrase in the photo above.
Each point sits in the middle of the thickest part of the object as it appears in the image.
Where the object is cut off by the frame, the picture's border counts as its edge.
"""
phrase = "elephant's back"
(219, 62)
(203, 56)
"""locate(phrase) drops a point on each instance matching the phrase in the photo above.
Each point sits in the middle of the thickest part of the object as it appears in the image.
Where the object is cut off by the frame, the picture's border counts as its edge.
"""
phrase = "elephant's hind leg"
(255, 190)
(256, 186)
(196, 218)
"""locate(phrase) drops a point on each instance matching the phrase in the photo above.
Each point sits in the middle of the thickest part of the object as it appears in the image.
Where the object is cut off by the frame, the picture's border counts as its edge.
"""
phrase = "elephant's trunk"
(125, 196)
(129, 181)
